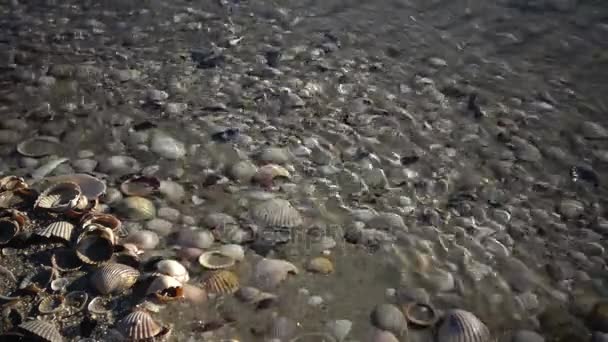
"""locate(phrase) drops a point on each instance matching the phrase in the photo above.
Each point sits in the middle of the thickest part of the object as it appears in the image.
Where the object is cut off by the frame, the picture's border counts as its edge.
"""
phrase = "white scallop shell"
(59, 197)
(43, 329)
(138, 325)
(114, 278)
(59, 229)
(277, 212)
(269, 273)
(215, 260)
(462, 326)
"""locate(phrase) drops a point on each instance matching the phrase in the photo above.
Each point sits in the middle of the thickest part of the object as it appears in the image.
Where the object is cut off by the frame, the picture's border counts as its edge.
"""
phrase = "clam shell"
(221, 282)
(51, 304)
(462, 326)
(59, 284)
(9, 228)
(136, 208)
(140, 186)
(76, 300)
(234, 251)
(64, 259)
(59, 229)
(39, 147)
(138, 325)
(269, 172)
(162, 283)
(95, 246)
(114, 278)
(101, 305)
(420, 314)
(174, 269)
(43, 330)
(99, 219)
(252, 295)
(10, 183)
(388, 317)
(269, 273)
(59, 197)
(91, 187)
(276, 212)
(215, 260)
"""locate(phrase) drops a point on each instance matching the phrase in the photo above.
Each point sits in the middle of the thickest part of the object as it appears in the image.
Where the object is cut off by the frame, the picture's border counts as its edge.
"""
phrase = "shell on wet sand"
(277, 212)
(114, 278)
(388, 317)
(269, 172)
(140, 186)
(91, 187)
(215, 260)
(174, 269)
(59, 197)
(44, 330)
(136, 208)
(51, 304)
(9, 228)
(234, 251)
(269, 273)
(252, 295)
(101, 305)
(95, 246)
(320, 265)
(65, 259)
(138, 325)
(60, 229)
(221, 282)
(100, 219)
(161, 283)
(39, 146)
(462, 326)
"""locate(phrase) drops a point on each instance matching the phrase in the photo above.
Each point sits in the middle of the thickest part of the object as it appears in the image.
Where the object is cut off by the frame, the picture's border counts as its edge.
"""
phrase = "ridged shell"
(42, 329)
(39, 147)
(59, 229)
(277, 212)
(138, 325)
(91, 187)
(215, 260)
(462, 326)
(94, 250)
(8, 230)
(104, 220)
(51, 304)
(221, 282)
(114, 278)
(59, 197)
(174, 269)
(137, 208)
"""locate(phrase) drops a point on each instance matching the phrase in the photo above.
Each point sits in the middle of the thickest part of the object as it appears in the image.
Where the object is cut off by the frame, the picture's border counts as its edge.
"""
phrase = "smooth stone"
(143, 239)
(167, 146)
(383, 336)
(527, 336)
(173, 191)
(593, 249)
(119, 165)
(339, 328)
(388, 317)
(169, 214)
(315, 300)
(160, 226)
(202, 239)
(571, 208)
(112, 196)
(85, 165)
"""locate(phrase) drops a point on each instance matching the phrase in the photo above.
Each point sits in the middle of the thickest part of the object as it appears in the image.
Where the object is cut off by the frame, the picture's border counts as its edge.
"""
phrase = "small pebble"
(315, 300)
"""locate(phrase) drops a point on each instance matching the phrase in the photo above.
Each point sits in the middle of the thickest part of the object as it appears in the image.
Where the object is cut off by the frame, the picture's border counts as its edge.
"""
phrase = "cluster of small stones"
(416, 188)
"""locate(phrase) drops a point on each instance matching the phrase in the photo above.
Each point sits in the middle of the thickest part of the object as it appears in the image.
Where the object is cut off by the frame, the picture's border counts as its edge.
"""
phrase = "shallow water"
(380, 120)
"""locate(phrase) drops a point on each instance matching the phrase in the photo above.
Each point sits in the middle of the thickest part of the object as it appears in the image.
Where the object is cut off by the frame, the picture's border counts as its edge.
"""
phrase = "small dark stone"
(273, 57)
(474, 107)
(226, 135)
(207, 59)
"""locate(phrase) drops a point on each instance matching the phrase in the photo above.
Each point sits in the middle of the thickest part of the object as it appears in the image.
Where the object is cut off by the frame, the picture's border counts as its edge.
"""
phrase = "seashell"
(143, 239)
(114, 278)
(91, 187)
(76, 300)
(174, 269)
(388, 317)
(38, 280)
(51, 304)
(19, 217)
(60, 284)
(140, 186)
(221, 282)
(339, 329)
(136, 208)
(65, 260)
(269, 273)
(234, 251)
(138, 325)
(44, 330)
(242, 171)
(320, 265)
(99, 219)
(60, 229)
(39, 147)
(9, 228)
(95, 246)
(101, 305)
(10, 199)
(276, 212)
(252, 295)
(11, 183)
(267, 173)
(162, 283)
(314, 337)
(59, 197)
(215, 260)
(420, 314)
(460, 325)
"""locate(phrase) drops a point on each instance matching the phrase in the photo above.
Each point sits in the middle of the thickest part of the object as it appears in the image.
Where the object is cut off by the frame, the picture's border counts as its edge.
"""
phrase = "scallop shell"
(462, 326)
(221, 282)
(51, 304)
(95, 246)
(140, 186)
(215, 260)
(269, 273)
(174, 269)
(138, 325)
(91, 187)
(99, 219)
(101, 305)
(65, 260)
(277, 212)
(59, 197)
(59, 229)
(137, 208)
(76, 300)
(46, 331)
(9, 228)
(39, 146)
(114, 278)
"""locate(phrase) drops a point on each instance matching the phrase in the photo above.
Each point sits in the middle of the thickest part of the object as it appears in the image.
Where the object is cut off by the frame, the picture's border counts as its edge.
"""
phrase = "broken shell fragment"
(51, 304)
(233, 251)
(138, 325)
(10, 183)
(114, 278)
(39, 146)
(140, 186)
(215, 260)
(60, 229)
(221, 282)
(59, 198)
(43, 330)
(95, 246)
(269, 273)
